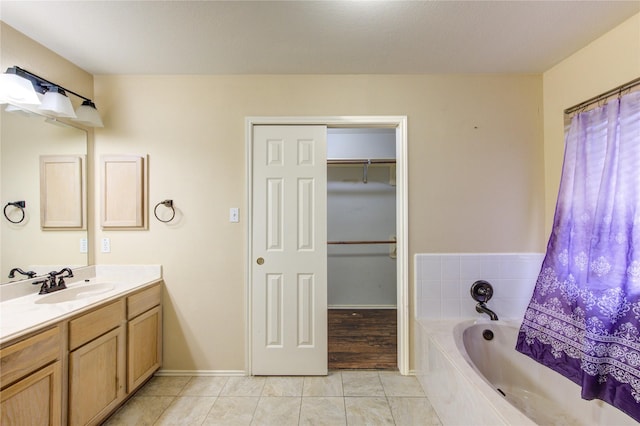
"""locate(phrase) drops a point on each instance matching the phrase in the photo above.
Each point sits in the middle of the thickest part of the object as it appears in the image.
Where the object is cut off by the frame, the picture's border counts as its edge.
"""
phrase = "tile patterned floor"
(341, 398)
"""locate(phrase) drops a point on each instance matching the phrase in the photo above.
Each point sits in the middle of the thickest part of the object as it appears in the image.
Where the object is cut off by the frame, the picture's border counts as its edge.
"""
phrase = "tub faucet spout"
(481, 308)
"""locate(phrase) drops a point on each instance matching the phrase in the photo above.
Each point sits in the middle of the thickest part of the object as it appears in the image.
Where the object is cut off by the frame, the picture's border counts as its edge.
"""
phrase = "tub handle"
(481, 291)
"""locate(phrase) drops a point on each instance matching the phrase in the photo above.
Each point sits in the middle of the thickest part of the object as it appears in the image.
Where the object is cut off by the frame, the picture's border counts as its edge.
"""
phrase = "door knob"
(260, 261)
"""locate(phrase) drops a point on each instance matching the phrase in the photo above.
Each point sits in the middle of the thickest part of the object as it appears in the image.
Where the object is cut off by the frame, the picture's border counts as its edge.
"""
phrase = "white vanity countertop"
(20, 314)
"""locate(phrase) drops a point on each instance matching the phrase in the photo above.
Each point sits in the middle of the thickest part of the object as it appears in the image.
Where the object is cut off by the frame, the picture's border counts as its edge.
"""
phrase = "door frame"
(402, 266)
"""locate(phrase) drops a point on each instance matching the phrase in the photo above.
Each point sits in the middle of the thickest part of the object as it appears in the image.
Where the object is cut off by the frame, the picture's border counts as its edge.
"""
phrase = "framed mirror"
(25, 138)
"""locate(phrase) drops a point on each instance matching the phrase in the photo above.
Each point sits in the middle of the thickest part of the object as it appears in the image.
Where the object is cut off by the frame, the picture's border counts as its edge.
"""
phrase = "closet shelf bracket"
(365, 172)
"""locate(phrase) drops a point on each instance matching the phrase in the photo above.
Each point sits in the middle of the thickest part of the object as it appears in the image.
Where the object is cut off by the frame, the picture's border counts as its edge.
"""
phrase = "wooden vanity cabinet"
(97, 363)
(31, 380)
(144, 336)
(80, 370)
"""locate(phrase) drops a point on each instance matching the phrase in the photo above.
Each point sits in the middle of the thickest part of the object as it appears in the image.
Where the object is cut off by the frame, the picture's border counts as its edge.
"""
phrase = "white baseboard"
(221, 373)
(362, 307)
(216, 373)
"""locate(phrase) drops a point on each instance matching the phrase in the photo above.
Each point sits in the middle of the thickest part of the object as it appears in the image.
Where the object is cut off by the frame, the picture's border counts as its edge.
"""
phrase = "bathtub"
(473, 381)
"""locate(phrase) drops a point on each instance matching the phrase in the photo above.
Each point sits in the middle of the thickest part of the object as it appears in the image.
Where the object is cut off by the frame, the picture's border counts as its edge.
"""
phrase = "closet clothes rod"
(364, 161)
(364, 242)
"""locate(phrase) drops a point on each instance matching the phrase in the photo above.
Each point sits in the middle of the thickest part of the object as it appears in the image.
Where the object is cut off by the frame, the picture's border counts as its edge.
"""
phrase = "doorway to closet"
(361, 248)
(255, 281)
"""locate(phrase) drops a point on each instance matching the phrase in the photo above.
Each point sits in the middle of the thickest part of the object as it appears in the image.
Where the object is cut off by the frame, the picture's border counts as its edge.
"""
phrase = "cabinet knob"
(260, 261)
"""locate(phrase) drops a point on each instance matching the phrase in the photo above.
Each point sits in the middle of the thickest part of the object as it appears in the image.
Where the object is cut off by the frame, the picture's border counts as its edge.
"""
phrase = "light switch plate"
(234, 215)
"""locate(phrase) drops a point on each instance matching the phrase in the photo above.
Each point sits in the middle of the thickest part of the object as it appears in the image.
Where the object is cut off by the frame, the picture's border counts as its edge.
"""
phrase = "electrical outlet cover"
(106, 245)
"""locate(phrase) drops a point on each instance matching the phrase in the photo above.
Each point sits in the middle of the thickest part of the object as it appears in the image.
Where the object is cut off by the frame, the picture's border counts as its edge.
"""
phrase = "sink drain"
(487, 334)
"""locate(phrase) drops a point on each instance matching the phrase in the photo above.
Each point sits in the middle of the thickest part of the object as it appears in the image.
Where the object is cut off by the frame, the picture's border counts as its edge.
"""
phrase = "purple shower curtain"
(583, 320)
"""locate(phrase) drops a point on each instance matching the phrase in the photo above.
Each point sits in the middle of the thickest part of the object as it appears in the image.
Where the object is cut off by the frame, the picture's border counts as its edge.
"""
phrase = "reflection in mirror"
(24, 138)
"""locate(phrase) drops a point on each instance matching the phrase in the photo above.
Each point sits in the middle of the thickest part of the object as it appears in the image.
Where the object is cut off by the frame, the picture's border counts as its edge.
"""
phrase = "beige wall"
(475, 173)
(608, 62)
(475, 177)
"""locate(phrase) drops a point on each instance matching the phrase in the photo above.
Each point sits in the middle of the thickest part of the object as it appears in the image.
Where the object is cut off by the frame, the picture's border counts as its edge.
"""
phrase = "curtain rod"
(617, 91)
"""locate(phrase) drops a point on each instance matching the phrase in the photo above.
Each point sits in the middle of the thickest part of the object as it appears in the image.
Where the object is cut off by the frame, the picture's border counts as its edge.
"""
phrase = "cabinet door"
(145, 347)
(34, 400)
(96, 378)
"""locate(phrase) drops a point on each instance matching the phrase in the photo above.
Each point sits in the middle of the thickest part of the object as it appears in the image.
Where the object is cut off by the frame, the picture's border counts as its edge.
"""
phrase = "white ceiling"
(315, 37)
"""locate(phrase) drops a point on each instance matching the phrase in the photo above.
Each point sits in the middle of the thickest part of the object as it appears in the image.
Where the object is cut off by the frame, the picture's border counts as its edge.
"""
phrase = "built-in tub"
(470, 380)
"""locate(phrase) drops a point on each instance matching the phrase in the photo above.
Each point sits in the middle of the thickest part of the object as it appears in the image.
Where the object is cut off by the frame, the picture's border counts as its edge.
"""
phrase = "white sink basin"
(76, 293)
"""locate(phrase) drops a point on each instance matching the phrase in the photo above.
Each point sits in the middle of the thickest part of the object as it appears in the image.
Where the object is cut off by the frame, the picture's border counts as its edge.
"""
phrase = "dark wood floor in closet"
(363, 339)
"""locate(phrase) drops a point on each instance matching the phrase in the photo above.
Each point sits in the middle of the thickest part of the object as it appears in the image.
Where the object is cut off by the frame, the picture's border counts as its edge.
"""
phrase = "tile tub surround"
(443, 281)
(19, 314)
(343, 397)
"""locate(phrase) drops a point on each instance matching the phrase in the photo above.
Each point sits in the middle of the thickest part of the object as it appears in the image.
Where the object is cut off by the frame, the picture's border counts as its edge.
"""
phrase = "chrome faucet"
(481, 308)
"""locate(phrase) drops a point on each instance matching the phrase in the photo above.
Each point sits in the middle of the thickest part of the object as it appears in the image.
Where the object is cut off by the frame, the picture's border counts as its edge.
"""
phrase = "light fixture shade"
(56, 103)
(88, 115)
(16, 89)
(20, 111)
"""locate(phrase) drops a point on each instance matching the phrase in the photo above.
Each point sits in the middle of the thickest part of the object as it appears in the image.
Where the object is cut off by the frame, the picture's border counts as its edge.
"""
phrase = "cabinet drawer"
(89, 326)
(143, 301)
(26, 356)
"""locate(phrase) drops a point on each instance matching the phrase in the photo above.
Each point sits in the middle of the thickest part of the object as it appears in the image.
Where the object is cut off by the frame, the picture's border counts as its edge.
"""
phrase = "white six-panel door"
(289, 251)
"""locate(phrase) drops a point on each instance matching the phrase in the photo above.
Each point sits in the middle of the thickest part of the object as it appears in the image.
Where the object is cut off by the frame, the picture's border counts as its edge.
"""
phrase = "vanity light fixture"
(21, 111)
(88, 114)
(13, 87)
(55, 101)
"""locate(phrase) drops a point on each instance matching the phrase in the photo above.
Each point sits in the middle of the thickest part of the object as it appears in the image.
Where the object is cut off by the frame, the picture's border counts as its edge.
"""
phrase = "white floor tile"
(395, 384)
(346, 397)
(277, 411)
(186, 410)
(330, 385)
(243, 386)
(164, 386)
(366, 383)
(323, 411)
(232, 411)
(368, 411)
(283, 386)
(204, 386)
